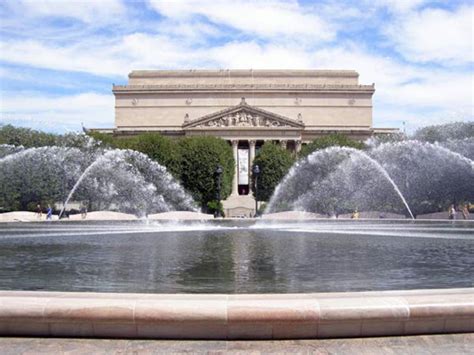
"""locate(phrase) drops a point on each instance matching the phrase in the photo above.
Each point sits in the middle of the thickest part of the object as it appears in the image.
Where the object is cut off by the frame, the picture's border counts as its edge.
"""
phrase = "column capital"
(283, 143)
(252, 142)
(235, 142)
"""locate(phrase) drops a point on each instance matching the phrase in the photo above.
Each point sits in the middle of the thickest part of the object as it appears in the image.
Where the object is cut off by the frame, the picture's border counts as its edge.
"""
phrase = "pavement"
(406, 345)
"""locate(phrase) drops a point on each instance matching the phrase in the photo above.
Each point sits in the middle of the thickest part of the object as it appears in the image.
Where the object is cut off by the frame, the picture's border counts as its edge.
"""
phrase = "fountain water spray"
(294, 186)
(384, 173)
(99, 160)
(125, 180)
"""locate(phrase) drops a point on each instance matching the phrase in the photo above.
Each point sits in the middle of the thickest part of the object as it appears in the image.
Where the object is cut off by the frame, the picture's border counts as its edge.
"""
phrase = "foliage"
(41, 176)
(274, 162)
(214, 206)
(339, 180)
(25, 137)
(386, 138)
(159, 148)
(331, 140)
(192, 160)
(429, 178)
(200, 157)
(261, 208)
(441, 133)
(107, 140)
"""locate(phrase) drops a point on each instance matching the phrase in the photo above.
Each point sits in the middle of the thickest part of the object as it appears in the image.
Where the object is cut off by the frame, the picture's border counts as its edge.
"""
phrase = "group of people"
(49, 212)
(39, 212)
(451, 212)
(463, 208)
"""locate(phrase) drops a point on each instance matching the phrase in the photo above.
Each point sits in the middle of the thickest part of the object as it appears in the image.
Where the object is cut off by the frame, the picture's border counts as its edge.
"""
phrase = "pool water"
(236, 257)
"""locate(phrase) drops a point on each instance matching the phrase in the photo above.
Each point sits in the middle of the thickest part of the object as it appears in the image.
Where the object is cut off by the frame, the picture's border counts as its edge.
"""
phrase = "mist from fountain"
(430, 176)
(9, 149)
(426, 177)
(333, 181)
(123, 180)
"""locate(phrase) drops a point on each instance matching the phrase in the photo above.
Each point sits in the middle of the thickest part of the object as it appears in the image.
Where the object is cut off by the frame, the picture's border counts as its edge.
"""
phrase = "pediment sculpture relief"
(243, 119)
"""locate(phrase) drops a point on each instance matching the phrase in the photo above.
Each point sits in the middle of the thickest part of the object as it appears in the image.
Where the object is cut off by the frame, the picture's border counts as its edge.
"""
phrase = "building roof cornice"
(242, 73)
(241, 87)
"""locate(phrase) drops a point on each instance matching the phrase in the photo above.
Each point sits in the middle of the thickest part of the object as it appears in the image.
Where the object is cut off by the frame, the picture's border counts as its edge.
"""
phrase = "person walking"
(452, 212)
(465, 211)
(355, 214)
(83, 211)
(39, 212)
(49, 213)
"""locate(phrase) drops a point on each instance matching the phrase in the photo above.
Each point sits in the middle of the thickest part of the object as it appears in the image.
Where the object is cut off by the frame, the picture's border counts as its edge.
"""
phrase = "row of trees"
(191, 160)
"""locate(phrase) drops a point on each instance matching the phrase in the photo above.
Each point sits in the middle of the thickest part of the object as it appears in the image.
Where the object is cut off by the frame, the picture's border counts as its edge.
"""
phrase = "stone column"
(235, 183)
(252, 144)
(283, 144)
(297, 146)
(252, 152)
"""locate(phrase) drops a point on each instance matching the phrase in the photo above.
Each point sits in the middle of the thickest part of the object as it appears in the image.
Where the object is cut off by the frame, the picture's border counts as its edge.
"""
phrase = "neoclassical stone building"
(247, 108)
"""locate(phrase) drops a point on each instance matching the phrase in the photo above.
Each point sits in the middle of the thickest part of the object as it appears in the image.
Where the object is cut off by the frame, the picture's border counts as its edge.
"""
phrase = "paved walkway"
(419, 345)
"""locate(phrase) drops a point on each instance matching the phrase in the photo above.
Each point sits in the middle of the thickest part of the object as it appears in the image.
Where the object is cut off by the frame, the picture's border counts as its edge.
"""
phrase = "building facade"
(247, 108)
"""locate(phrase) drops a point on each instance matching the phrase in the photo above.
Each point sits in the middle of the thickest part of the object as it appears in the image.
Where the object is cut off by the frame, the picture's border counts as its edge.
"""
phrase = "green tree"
(444, 132)
(25, 136)
(274, 162)
(331, 140)
(106, 139)
(200, 157)
(162, 149)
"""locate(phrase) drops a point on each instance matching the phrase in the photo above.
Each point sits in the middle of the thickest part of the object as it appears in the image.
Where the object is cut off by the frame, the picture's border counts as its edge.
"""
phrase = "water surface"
(236, 257)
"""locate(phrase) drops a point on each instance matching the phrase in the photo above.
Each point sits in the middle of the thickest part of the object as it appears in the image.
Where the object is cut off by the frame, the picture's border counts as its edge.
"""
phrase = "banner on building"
(243, 166)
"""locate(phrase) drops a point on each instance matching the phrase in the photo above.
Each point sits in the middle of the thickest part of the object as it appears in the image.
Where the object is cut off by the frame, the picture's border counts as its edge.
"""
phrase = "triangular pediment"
(240, 116)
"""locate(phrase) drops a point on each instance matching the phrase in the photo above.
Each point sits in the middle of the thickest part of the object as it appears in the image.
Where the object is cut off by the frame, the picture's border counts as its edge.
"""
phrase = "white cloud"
(282, 35)
(57, 112)
(244, 55)
(87, 11)
(399, 6)
(397, 84)
(394, 116)
(188, 30)
(97, 58)
(435, 35)
(274, 18)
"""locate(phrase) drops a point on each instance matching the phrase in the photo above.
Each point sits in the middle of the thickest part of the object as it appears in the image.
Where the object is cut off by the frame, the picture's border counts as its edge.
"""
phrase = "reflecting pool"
(236, 256)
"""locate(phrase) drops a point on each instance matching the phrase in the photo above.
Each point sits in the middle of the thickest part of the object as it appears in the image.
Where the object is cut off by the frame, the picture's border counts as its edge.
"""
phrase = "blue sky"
(58, 59)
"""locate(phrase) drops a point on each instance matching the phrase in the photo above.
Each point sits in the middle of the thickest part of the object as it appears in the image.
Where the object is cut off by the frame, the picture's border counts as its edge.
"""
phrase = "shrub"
(162, 149)
(331, 140)
(25, 137)
(274, 162)
(214, 206)
(200, 157)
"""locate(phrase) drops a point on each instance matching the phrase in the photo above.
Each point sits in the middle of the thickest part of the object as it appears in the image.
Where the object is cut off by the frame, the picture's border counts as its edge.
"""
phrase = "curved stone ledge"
(265, 316)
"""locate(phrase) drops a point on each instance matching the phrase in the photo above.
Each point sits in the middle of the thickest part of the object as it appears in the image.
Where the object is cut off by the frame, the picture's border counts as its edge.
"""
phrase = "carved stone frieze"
(242, 119)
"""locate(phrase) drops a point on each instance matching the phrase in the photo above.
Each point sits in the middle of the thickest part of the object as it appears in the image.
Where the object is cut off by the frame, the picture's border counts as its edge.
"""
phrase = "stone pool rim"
(236, 316)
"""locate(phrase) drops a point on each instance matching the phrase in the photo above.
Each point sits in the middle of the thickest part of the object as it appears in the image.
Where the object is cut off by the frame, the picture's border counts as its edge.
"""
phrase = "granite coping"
(238, 316)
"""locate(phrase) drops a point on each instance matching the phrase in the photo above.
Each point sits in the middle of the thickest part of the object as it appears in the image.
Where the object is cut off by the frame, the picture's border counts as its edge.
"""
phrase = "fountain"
(339, 179)
(125, 180)
(425, 177)
(332, 278)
